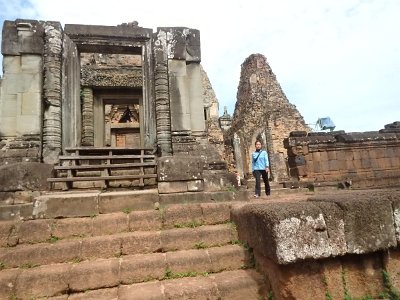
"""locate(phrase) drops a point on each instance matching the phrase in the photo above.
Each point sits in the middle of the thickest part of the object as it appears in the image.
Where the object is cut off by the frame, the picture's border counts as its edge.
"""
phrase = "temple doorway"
(118, 121)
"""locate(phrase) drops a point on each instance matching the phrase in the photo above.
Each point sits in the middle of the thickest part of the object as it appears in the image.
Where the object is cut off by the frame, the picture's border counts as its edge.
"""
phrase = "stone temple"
(106, 88)
(128, 115)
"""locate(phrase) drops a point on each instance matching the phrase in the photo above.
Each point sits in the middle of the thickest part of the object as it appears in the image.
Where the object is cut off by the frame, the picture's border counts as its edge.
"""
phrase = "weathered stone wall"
(21, 91)
(368, 159)
(263, 112)
(334, 244)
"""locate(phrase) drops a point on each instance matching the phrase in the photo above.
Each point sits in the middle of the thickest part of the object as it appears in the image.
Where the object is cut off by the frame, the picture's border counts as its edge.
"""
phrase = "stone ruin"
(262, 112)
(300, 157)
(127, 86)
(116, 87)
(110, 86)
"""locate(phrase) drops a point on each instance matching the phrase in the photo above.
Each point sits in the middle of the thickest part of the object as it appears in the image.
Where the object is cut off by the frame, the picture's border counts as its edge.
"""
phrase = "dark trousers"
(258, 174)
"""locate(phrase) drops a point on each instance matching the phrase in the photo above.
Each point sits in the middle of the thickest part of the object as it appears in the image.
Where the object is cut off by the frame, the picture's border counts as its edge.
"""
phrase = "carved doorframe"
(122, 40)
(100, 99)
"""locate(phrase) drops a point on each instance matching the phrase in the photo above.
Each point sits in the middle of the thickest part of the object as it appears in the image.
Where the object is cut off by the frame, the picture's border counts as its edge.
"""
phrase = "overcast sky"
(336, 58)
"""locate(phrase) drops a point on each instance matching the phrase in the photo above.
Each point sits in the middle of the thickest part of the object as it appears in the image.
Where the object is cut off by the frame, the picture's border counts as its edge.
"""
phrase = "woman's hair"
(257, 141)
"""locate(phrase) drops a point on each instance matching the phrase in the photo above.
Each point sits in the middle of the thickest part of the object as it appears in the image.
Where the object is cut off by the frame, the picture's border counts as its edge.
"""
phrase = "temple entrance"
(118, 121)
(122, 124)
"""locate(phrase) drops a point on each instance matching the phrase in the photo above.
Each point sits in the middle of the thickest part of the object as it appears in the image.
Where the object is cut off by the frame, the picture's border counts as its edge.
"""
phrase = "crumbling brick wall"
(369, 159)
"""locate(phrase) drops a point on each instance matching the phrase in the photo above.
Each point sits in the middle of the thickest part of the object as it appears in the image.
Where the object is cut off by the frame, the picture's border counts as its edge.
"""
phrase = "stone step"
(185, 215)
(67, 278)
(232, 285)
(117, 245)
(90, 203)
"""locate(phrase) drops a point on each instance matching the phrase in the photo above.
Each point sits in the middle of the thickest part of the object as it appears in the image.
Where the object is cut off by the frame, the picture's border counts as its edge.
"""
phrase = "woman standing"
(260, 166)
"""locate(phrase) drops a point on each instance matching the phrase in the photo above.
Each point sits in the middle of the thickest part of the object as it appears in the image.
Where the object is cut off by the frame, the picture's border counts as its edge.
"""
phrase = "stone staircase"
(176, 251)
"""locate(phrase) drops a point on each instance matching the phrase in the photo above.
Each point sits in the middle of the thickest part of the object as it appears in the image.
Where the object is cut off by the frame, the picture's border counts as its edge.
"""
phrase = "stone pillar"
(238, 154)
(197, 119)
(52, 92)
(87, 117)
(148, 123)
(179, 95)
(163, 116)
(71, 106)
(274, 157)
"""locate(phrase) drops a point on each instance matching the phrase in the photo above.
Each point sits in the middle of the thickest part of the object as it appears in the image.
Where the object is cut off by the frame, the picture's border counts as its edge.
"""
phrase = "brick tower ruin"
(262, 112)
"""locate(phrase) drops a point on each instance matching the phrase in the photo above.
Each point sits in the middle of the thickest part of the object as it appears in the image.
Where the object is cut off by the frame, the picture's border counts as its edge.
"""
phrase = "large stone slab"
(174, 168)
(368, 218)
(127, 201)
(16, 212)
(288, 232)
(66, 205)
(346, 222)
(25, 176)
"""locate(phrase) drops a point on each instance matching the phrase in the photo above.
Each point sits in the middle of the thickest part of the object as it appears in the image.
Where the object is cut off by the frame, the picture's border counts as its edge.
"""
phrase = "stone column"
(180, 99)
(87, 117)
(238, 154)
(71, 106)
(197, 118)
(163, 116)
(52, 92)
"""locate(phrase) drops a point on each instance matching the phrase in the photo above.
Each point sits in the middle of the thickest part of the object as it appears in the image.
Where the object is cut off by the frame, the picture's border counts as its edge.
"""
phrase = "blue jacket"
(262, 161)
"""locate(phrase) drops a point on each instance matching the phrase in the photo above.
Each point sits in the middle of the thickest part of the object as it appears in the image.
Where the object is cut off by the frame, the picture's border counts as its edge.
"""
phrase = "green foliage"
(328, 296)
(168, 274)
(230, 188)
(127, 210)
(390, 291)
(236, 242)
(2, 265)
(346, 295)
(29, 265)
(53, 239)
(171, 275)
(192, 224)
(200, 245)
(76, 260)
(346, 291)
(367, 297)
(270, 295)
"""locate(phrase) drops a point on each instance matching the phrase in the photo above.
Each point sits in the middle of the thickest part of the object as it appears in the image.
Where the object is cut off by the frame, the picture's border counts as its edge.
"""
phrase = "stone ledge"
(347, 222)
